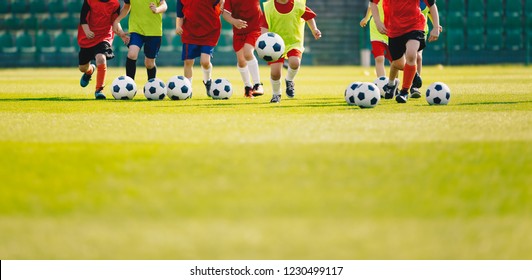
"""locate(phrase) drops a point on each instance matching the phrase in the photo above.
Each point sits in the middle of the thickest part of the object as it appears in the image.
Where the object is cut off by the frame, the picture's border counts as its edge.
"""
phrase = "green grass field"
(309, 178)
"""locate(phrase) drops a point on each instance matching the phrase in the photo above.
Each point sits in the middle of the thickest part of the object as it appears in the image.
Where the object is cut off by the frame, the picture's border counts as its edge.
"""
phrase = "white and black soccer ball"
(155, 89)
(349, 93)
(438, 93)
(123, 88)
(270, 46)
(380, 82)
(221, 89)
(179, 88)
(367, 95)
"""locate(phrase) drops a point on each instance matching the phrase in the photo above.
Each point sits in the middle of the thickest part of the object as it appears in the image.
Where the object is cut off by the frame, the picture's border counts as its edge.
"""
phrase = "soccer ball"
(123, 88)
(380, 82)
(179, 88)
(270, 46)
(349, 93)
(155, 89)
(438, 93)
(221, 89)
(367, 95)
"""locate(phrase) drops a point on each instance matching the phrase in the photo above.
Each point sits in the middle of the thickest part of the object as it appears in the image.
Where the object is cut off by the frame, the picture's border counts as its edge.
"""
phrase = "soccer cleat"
(290, 90)
(248, 92)
(258, 89)
(86, 78)
(276, 98)
(402, 97)
(414, 92)
(417, 82)
(99, 93)
(208, 87)
(390, 91)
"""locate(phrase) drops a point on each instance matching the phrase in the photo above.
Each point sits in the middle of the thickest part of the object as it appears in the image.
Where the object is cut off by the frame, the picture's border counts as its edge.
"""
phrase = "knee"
(83, 68)
(149, 63)
(100, 59)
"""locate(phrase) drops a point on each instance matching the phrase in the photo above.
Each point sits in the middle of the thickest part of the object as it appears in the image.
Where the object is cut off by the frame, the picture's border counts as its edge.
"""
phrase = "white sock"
(190, 80)
(245, 75)
(207, 73)
(291, 74)
(253, 66)
(276, 86)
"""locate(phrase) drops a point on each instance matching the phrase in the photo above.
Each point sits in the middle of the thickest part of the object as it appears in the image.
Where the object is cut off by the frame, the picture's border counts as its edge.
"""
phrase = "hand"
(440, 28)
(179, 30)
(317, 34)
(434, 35)
(239, 24)
(363, 22)
(380, 26)
(89, 34)
(153, 7)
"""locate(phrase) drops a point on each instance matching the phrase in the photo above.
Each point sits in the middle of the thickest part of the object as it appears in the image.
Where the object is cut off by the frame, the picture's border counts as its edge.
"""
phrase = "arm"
(430, 17)
(435, 32)
(117, 28)
(179, 18)
(366, 18)
(314, 28)
(160, 9)
(237, 23)
(85, 9)
(377, 17)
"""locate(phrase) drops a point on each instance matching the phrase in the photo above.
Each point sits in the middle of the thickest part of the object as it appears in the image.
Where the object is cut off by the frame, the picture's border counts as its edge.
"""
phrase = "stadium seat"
(172, 6)
(166, 42)
(44, 42)
(513, 22)
(168, 22)
(456, 6)
(5, 7)
(74, 6)
(38, 7)
(7, 44)
(475, 20)
(455, 39)
(494, 20)
(64, 43)
(12, 23)
(528, 8)
(494, 39)
(177, 44)
(513, 8)
(56, 6)
(514, 39)
(25, 42)
(475, 39)
(494, 6)
(30, 23)
(50, 23)
(19, 6)
(455, 20)
(474, 7)
(70, 22)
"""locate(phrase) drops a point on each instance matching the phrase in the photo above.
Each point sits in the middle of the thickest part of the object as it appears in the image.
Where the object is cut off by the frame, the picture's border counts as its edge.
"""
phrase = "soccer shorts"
(151, 44)
(292, 52)
(85, 55)
(397, 45)
(379, 48)
(191, 51)
(239, 40)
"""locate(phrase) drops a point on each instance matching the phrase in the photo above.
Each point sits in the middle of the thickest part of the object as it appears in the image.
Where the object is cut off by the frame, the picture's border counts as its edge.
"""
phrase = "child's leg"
(151, 67)
(243, 67)
(419, 61)
(275, 79)
(101, 64)
(379, 66)
(131, 62)
(187, 67)
(206, 66)
(412, 47)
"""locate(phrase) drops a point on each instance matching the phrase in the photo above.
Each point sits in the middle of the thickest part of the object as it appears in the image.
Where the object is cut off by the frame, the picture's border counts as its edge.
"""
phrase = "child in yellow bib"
(287, 18)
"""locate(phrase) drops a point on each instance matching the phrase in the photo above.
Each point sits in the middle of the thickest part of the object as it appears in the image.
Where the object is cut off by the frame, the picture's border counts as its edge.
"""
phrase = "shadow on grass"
(494, 103)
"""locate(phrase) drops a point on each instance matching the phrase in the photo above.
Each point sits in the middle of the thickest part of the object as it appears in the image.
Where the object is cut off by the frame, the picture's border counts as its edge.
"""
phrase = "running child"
(379, 41)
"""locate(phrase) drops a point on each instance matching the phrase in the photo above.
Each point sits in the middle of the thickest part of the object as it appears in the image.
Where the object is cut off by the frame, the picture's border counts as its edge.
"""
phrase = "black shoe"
(99, 94)
(290, 90)
(414, 92)
(390, 91)
(248, 92)
(402, 97)
(417, 82)
(276, 98)
(258, 89)
(208, 87)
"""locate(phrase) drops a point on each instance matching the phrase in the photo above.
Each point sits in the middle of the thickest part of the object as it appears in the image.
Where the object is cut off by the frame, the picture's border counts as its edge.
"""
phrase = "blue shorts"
(191, 51)
(151, 44)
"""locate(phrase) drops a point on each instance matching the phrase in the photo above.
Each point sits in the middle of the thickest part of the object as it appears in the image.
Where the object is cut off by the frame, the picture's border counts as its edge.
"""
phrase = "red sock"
(408, 75)
(100, 76)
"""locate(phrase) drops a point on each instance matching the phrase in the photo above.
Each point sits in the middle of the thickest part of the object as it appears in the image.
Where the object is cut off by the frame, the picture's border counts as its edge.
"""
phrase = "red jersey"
(99, 15)
(287, 8)
(201, 21)
(247, 10)
(403, 16)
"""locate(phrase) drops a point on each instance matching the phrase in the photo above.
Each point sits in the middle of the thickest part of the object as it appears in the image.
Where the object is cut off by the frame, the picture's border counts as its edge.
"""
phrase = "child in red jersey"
(246, 18)
(287, 18)
(198, 24)
(405, 25)
(95, 38)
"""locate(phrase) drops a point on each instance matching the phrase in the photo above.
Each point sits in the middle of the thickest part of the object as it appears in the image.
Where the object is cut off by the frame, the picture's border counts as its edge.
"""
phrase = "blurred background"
(42, 33)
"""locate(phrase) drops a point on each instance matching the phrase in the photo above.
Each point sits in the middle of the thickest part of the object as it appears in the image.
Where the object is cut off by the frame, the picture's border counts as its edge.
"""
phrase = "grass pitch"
(309, 178)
